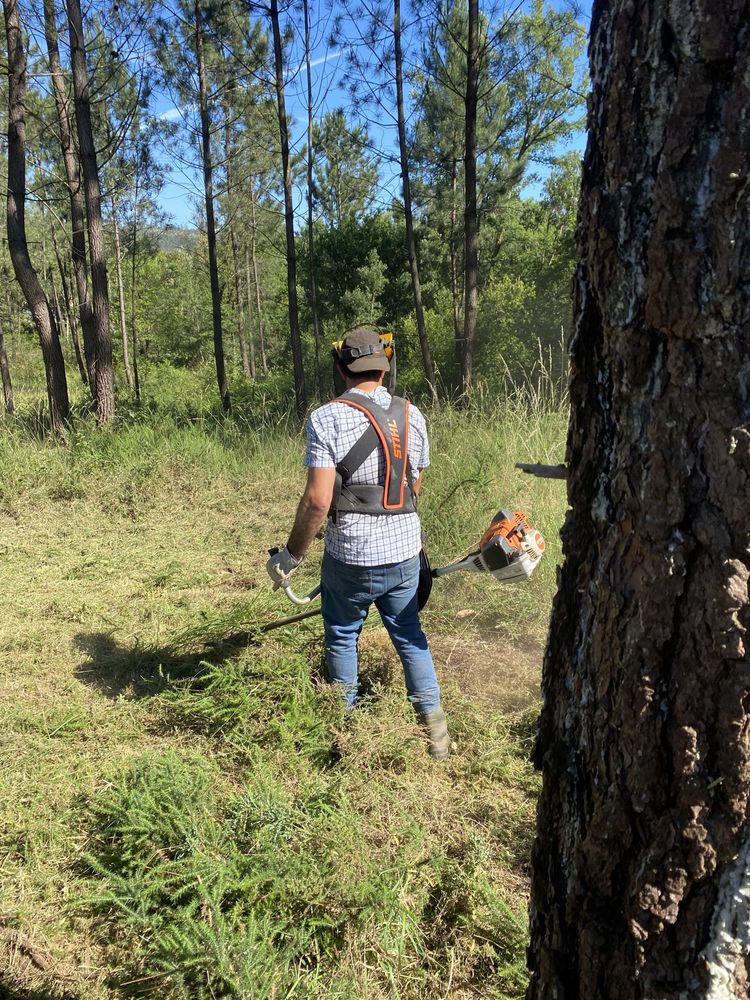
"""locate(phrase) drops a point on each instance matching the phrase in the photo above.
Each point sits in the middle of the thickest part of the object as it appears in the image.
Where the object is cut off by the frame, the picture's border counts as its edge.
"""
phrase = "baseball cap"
(362, 350)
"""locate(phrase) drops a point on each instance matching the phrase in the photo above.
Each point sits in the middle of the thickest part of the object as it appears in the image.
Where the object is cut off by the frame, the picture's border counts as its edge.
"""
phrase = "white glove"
(280, 567)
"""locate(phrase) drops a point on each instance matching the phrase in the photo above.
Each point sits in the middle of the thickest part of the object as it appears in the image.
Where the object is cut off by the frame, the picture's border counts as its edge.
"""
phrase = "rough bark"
(121, 297)
(104, 382)
(300, 392)
(49, 340)
(310, 232)
(411, 243)
(471, 220)
(208, 190)
(75, 194)
(5, 373)
(641, 866)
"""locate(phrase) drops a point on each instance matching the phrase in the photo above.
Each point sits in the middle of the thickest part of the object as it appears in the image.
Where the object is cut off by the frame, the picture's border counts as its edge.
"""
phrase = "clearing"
(172, 809)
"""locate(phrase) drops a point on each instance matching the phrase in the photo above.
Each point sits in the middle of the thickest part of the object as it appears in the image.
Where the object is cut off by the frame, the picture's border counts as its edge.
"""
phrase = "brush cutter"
(509, 550)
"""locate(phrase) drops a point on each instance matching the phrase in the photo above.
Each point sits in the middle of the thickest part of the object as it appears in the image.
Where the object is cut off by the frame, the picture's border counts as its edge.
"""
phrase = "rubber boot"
(435, 725)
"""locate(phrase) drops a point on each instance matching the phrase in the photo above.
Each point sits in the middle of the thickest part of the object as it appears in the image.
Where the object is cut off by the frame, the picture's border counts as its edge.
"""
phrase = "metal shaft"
(290, 620)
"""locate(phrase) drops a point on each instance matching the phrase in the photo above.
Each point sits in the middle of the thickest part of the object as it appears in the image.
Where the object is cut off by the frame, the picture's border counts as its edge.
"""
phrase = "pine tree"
(44, 319)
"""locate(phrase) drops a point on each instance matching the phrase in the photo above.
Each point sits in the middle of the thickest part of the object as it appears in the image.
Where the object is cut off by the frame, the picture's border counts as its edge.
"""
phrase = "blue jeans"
(346, 595)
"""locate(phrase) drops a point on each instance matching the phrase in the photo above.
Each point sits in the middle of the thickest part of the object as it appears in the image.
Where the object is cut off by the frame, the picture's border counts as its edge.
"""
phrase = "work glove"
(281, 565)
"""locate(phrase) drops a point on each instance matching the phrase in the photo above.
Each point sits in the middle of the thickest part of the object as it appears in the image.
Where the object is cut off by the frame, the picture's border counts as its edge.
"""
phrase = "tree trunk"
(69, 311)
(251, 339)
(121, 297)
(256, 282)
(411, 243)
(458, 338)
(471, 222)
(104, 393)
(300, 394)
(75, 194)
(236, 263)
(61, 321)
(54, 364)
(208, 188)
(5, 373)
(310, 232)
(641, 866)
(133, 272)
(247, 368)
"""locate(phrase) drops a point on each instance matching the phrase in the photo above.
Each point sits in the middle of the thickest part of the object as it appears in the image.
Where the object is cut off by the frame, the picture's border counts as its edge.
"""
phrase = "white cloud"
(317, 62)
(175, 114)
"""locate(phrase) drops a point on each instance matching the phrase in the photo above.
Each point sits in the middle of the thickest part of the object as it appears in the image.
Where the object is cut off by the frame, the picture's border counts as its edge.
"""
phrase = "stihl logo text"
(395, 438)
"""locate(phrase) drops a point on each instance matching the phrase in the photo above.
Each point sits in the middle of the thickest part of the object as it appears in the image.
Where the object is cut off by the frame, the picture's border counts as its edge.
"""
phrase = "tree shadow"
(118, 671)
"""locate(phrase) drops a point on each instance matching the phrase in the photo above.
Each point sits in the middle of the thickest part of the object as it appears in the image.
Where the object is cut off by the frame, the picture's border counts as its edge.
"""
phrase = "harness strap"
(385, 428)
(358, 453)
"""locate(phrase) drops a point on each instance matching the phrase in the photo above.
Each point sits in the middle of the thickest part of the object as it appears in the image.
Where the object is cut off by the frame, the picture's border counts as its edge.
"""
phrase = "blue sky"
(180, 195)
(183, 190)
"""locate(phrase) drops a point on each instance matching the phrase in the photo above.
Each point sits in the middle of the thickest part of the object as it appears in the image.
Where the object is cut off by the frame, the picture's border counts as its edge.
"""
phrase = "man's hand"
(311, 513)
(280, 567)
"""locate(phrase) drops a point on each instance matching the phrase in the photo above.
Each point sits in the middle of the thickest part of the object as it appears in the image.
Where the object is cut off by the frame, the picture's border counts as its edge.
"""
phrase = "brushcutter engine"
(510, 549)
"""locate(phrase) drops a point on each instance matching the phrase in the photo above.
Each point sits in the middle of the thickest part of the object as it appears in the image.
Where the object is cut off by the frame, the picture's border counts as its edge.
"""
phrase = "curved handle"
(287, 588)
(295, 599)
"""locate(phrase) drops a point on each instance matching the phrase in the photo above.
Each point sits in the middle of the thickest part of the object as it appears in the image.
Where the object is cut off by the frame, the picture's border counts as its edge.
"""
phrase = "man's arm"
(312, 510)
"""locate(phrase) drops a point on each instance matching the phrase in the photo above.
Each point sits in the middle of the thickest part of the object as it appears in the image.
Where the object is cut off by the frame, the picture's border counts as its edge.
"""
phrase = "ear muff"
(386, 339)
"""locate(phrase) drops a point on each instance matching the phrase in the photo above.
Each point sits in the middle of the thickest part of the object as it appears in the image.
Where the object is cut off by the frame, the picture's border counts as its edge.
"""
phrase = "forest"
(381, 185)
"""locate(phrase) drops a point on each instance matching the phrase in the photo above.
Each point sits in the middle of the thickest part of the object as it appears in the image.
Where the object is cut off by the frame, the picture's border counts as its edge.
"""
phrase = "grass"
(188, 812)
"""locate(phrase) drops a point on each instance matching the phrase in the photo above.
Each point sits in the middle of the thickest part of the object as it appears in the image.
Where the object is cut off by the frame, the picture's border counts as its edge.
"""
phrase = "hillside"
(176, 238)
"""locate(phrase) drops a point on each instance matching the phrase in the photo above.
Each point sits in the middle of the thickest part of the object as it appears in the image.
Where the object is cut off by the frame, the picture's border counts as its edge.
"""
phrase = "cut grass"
(180, 789)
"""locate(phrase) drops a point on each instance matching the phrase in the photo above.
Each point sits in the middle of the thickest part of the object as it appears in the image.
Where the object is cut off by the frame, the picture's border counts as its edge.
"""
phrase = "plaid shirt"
(366, 539)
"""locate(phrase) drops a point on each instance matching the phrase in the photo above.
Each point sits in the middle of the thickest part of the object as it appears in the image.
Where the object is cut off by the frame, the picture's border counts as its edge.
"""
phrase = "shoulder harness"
(388, 429)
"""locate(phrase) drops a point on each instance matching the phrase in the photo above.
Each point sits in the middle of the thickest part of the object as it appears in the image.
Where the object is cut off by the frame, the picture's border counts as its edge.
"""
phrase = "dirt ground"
(506, 677)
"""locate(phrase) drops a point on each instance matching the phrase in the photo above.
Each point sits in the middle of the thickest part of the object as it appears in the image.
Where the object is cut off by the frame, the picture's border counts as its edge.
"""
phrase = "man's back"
(366, 539)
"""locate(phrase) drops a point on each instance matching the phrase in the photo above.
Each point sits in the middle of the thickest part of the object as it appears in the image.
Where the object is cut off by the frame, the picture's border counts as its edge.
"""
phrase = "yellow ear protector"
(347, 354)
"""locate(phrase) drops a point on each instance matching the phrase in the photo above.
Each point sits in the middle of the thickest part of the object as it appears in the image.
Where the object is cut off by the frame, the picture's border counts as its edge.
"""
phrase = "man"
(365, 456)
